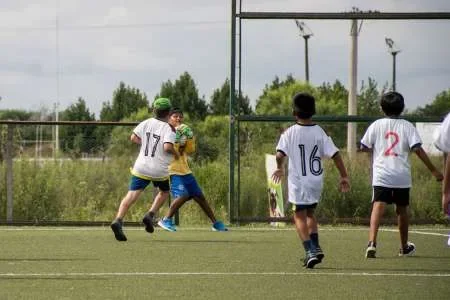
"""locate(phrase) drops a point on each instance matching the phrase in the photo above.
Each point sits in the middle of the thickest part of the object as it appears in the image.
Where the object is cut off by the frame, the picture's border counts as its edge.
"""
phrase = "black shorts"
(299, 207)
(398, 196)
(137, 183)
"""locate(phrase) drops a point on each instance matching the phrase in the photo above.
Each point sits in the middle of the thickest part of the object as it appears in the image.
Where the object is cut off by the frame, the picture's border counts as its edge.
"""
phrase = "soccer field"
(196, 263)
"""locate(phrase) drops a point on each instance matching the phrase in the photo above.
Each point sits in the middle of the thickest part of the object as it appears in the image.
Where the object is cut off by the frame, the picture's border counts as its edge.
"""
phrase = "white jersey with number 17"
(153, 162)
(305, 145)
(391, 141)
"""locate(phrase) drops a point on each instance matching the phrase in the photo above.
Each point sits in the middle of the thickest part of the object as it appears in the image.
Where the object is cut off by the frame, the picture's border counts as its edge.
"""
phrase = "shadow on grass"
(213, 241)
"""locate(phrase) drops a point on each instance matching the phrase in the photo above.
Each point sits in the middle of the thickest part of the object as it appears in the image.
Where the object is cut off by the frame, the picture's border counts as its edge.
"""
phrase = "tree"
(369, 98)
(276, 84)
(439, 107)
(220, 101)
(126, 100)
(184, 94)
(81, 138)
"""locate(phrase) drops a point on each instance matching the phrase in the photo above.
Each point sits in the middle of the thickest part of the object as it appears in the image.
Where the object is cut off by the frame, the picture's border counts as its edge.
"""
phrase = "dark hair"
(304, 105)
(176, 110)
(161, 113)
(392, 103)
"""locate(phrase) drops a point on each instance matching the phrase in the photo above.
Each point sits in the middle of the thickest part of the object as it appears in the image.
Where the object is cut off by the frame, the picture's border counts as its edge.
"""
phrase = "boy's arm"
(424, 158)
(135, 139)
(344, 182)
(169, 148)
(189, 148)
(279, 172)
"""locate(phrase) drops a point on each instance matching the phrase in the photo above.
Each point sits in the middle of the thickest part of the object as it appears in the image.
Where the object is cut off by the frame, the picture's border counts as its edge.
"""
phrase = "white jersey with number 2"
(153, 162)
(391, 141)
(305, 145)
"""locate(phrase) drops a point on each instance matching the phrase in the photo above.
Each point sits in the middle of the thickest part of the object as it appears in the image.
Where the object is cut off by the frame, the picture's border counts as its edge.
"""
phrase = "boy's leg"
(375, 218)
(159, 200)
(200, 199)
(407, 248)
(125, 204)
(301, 226)
(314, 233)
(166, 222)
(403, 224)
(401, 208)
(378, 208)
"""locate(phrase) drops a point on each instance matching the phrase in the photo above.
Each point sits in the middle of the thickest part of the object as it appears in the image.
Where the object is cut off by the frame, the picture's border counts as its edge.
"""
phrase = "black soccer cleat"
(409, 250)
(116, 227)
(371, 251)
(148, 222)
(319, 254)
(310, 260)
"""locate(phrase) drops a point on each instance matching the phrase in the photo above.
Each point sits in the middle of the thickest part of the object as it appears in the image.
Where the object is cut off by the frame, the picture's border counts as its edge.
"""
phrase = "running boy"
(183, 184)
(391, 140)
(156, 138)
(305, 143)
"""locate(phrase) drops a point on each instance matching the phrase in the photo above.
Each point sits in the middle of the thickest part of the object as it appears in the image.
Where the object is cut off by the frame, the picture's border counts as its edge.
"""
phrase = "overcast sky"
(144, 43)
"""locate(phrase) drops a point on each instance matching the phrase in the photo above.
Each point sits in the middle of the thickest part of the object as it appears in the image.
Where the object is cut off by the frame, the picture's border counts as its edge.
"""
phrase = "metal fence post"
(9, 174)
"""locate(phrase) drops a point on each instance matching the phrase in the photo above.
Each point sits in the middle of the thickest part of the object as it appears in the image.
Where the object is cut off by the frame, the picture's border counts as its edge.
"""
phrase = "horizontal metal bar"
(370, 15)
(343, 119)
(96, 123)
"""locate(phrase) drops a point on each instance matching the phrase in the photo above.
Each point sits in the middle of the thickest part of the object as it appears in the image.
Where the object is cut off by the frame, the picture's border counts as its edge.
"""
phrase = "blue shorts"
(137, 183)
(184, 185)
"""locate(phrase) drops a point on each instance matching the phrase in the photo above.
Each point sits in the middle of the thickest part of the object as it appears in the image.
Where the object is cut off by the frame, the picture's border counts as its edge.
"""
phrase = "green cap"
(162, 104)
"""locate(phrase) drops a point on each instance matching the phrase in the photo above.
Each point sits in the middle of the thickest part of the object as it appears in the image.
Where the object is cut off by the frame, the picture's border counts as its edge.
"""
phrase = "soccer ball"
(183, 132)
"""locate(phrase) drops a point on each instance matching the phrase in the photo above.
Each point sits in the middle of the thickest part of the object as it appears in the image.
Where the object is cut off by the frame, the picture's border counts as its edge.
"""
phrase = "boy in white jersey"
(305, 143)
(442, 142)
(391, 140)
(156, 138)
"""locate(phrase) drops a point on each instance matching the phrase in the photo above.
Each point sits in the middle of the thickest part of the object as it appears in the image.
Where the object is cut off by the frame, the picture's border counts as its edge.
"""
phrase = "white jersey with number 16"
(391, 141)
(305, 145)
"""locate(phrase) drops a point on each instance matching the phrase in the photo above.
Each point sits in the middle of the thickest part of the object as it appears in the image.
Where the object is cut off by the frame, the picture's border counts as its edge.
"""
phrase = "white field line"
(425, 231)
(182, 274)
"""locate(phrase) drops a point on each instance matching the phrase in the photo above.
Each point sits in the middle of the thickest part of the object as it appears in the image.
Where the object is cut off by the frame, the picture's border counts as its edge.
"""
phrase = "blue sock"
(315, 238)
(308, 245)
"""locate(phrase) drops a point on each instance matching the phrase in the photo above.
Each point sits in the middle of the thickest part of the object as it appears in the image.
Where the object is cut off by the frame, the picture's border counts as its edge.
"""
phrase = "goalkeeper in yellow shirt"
(183, 185)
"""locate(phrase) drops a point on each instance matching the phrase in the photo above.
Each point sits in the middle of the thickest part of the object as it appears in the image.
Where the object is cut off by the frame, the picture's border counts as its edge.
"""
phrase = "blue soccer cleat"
(167, 224)
(219, 226)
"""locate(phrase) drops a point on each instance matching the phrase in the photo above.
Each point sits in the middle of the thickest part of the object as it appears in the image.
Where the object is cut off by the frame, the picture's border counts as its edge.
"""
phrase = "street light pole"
(306, 33)
(306, 37)
(394, 50)
(394, 63)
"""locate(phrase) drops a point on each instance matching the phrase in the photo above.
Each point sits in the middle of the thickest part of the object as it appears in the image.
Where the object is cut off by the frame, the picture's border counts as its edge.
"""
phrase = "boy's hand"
(438, 175)
(344, 184)
(277, 175)
(181, 149)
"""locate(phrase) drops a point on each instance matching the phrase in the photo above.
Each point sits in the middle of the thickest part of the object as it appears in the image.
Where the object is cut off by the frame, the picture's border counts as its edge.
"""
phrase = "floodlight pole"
(306, 37)
(394, 63)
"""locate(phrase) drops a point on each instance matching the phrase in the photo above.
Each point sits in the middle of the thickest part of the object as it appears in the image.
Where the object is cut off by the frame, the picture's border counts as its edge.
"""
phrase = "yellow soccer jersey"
(180, 166)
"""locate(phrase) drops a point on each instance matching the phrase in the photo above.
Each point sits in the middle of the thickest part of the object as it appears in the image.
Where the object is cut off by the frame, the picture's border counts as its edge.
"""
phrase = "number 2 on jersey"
(389, 151)
(155, 143)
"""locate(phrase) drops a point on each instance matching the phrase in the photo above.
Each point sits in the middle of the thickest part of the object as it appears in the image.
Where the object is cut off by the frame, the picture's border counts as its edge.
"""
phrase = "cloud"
(144, 43)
